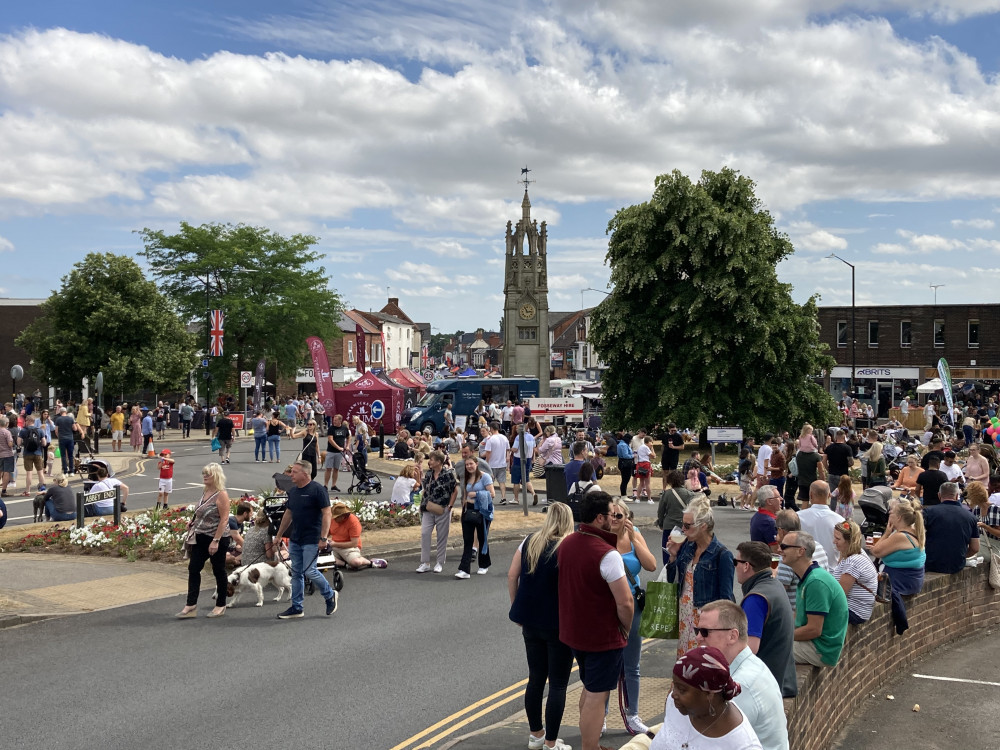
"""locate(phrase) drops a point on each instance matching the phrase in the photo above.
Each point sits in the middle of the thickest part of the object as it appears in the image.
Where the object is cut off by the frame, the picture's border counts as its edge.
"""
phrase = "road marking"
(454, 716)
(240, 489)
(956, 679)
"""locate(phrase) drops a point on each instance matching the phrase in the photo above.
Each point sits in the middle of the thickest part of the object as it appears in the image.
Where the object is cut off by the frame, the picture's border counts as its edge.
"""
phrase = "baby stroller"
(274, 512)
(363, 480)
(88, 470)
(874, 503)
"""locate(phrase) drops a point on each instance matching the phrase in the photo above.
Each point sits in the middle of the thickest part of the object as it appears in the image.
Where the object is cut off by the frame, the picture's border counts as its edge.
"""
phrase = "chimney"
(479, 334)
(394, 301)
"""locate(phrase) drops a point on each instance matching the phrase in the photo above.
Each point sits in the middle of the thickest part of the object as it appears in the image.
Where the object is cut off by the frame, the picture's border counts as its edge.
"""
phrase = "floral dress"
(135, 436)
(687, 613)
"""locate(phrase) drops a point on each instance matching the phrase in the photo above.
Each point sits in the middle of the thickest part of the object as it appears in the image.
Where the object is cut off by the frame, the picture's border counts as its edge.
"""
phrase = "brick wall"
(947, 608)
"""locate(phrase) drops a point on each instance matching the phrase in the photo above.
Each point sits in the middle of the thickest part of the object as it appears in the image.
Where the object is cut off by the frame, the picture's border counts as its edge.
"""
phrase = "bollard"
(118, 504)
(381, 439)
(79, 510)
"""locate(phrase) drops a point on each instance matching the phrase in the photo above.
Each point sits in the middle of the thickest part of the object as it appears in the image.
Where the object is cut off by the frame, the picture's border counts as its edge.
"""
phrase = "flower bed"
(158, 535)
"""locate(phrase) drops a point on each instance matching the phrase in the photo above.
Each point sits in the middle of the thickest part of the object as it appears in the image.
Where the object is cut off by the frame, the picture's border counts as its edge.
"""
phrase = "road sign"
(204, 363)
(246, 378)
(378, 409)
(96, 497)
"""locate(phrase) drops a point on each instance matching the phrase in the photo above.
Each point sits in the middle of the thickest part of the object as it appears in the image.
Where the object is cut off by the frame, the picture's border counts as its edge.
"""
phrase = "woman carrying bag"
(208, 539)
(438, 493)
(310, 438)
(477, 513)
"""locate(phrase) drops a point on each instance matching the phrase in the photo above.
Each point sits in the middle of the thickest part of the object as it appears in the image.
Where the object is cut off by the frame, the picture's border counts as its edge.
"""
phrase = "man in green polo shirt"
(820, 604)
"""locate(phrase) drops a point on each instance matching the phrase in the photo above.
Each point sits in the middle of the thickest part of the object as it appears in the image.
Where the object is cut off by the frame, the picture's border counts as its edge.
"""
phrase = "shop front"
(882, 387)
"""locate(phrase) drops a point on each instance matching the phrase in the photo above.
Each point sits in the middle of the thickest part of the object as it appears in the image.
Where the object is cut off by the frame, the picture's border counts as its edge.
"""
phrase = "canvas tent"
(409, 379)
(410, 393)
(367, 397)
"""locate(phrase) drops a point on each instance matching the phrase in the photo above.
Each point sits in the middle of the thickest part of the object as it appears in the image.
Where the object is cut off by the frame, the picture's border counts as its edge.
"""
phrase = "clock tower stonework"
(526, 301)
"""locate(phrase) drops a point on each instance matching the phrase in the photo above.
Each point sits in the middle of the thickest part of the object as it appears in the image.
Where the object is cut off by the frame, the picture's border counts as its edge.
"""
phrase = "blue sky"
(395, 132)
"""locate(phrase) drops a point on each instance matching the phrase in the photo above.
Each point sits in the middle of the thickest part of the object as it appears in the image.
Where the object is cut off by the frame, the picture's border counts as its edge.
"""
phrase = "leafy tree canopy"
(273, 294)
(108, 318)
(698, 329)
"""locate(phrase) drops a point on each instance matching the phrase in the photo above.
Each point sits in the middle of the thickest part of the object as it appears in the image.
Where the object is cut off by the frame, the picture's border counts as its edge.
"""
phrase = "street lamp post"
(854, 338)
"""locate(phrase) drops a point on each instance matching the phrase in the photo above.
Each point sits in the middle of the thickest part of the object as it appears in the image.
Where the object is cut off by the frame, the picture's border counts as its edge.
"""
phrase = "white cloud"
(408, 271)
(467, 280)
(5, 244)
(807, 236)
(930, 243)
(974, 223)
(890, 248)
(575, 282)
(427, 291)
(447, 248)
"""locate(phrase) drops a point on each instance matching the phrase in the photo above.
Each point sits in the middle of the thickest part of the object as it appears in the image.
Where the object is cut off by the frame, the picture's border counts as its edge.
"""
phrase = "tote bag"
(659, 617)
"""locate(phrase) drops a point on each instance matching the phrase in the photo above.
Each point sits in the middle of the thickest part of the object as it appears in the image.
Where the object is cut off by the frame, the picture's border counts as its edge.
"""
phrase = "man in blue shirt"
(572, 470)
(952, 533)
(763, 525)
(147, 431)
(307, 514)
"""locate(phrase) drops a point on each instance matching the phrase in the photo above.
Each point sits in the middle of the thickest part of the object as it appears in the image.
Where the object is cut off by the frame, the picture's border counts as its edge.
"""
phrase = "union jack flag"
(216, 320)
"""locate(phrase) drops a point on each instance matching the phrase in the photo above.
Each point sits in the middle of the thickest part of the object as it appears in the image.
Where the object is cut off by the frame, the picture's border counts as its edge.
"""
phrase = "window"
(873, 333)
(973, 334)
(841, 333)
(526, 334)
(350, 351)
(905, 334)
(939, 333)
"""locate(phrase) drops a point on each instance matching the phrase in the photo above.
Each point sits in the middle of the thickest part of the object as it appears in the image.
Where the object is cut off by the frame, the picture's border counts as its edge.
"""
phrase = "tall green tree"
(273, 293)
(698, 329)
(107, 317)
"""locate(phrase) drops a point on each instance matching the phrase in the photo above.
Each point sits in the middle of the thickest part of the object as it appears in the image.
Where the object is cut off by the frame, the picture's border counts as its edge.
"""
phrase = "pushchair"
(363, 480)
(324, 563)
(88, 470)
(874, 503)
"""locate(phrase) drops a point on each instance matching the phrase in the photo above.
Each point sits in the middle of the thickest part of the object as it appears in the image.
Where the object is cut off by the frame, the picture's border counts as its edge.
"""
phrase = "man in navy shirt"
(307, 513)
(572, 470)
(952, 533)
(764, 525)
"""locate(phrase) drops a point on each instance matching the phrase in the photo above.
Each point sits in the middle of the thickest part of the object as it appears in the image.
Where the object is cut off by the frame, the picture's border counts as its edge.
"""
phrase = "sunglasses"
(789, 546)
(686, 525)
(740, 562)
(617, 516)
(703, 632)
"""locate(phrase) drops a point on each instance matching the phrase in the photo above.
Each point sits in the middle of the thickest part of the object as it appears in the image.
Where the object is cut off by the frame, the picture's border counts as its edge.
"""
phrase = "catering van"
(464, 395)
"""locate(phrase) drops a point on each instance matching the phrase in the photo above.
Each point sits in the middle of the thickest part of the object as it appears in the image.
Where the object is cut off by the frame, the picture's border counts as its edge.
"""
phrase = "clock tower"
(526, 299)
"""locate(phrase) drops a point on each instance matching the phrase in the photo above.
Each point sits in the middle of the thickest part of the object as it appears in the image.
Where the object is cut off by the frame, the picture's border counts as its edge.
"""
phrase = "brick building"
(898, 347)
(15, 316)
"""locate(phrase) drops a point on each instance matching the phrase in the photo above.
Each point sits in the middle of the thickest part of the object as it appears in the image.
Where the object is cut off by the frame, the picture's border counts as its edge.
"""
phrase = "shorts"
(7, 464)
(32, 461)
(166, 485)
(117, 434)
(346, 555)
(600, 670)
(643, 466)
(333, 460)
(745, 484)
(499, 474)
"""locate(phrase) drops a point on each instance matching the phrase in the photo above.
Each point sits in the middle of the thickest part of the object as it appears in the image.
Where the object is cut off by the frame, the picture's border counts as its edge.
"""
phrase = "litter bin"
(555, 483)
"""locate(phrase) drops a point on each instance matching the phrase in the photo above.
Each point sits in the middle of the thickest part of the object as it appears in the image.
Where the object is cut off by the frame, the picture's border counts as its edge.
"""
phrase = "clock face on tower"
(527, 311)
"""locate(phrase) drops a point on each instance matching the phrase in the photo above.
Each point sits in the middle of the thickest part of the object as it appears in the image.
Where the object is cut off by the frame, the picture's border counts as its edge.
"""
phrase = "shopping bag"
(659, 618)
(216, 444)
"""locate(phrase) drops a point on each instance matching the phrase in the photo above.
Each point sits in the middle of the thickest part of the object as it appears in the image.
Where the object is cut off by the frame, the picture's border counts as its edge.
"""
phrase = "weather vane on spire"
(524, 177)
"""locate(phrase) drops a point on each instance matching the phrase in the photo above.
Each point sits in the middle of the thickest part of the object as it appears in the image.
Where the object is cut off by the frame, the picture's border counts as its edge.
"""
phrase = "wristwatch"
(324, 539)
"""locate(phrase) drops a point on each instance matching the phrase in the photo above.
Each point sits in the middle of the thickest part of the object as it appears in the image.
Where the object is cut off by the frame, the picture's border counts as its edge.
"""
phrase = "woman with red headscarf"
(699, 713)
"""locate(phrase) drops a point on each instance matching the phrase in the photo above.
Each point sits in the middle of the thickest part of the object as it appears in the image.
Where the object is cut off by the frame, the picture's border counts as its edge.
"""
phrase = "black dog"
(38, 503)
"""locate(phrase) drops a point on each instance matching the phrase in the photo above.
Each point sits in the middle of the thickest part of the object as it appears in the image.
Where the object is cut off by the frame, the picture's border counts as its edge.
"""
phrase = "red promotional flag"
(216, 320)
(359, 344)
(321, 370)
(385, 352)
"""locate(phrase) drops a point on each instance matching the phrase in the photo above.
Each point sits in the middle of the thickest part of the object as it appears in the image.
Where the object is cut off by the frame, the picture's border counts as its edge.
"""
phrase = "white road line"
(241, 489)
(956, 679)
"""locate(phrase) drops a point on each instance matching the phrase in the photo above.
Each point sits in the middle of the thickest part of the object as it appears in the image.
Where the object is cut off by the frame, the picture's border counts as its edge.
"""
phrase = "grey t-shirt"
(64, 424)
(460, 470)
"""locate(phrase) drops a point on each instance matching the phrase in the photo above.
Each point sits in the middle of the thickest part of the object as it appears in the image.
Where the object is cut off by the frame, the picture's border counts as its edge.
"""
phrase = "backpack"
(31, 444)
(575, 501)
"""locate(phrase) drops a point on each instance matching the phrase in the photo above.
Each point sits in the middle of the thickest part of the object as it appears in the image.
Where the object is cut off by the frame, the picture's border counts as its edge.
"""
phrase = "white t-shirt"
(636, 443)
(401, 490)
(612, 566)
(764, 455)
(529, 447)
(497, 445)
(819, 521)
(642, 453)
(505, 413)
(106, 506)
(954, 472)
(677, 732)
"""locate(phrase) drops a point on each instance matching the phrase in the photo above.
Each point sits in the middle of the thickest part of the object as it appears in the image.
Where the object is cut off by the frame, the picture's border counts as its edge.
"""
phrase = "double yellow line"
(501, 698)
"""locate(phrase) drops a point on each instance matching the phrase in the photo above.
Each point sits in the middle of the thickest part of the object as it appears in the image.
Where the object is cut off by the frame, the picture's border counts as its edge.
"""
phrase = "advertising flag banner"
(258, 384)
(944, 372)
(385, 352)
(359, 344)
(321, 369)
(215, 322)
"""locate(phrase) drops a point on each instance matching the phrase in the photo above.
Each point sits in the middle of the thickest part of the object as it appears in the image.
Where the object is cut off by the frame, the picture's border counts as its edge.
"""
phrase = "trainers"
(502, 501)
(424, 567)
(379, 563)
(483, 571)
(335, 488)
(604, 727)
(438, 568)
(331, 604)
(535, 743)
(290, 613)
(462, 575)
(634, 725)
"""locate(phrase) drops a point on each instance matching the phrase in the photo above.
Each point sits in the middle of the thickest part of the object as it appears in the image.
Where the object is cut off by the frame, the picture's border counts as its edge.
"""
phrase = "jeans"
(146, 440)
(548, 659)
(52, 513)
(469, 532)
(969, 434)
(274, 447)
(791, 487)
(303, 558)
(186, 428)
(633, 650)
(259, 451)
(66, 452)
(833, 480)
(199, 554)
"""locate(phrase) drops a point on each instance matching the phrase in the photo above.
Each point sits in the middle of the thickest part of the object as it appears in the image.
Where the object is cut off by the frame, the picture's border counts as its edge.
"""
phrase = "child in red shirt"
(166, 478)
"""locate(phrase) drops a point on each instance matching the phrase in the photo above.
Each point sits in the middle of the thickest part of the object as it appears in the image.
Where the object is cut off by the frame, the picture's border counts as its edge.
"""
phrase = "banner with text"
(359, 344)
(944, 372)
(321, 367)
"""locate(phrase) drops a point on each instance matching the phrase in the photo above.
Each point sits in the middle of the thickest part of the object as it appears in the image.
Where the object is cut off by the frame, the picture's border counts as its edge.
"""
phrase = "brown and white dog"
(256, 577)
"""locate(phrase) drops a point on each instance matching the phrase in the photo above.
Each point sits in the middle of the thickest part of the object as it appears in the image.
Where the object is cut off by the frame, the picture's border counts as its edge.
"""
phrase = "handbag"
(304, 447)
(883, 592)
(640, 594)
(659, 616)
(642, 471)
(473, 516)
(433, 508)
(216, 445)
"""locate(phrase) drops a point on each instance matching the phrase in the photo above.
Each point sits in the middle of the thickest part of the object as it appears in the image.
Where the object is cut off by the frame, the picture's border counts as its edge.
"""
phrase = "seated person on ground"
(60, 502)
(345, 539)
(105, 507)
(407, 481)
(236, 542)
